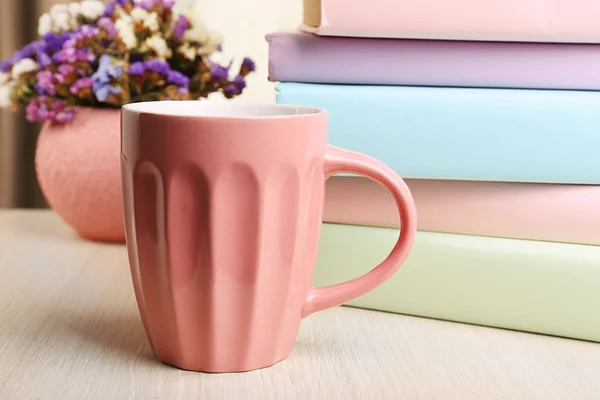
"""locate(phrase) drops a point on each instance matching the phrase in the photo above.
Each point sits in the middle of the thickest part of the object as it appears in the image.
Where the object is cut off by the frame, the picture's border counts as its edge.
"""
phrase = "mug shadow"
(121, 335)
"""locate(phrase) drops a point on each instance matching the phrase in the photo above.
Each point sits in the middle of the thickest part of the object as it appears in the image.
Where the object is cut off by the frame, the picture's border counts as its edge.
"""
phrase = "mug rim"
(220, 109)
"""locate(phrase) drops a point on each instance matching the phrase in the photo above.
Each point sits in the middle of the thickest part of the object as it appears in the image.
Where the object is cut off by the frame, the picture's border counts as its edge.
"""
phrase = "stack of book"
(491, 112)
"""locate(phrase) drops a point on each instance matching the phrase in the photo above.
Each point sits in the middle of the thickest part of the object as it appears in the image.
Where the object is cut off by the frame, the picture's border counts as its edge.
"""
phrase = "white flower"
(159, 45)
(74, 9)
(5, 95)
(126, 33)
(59, 8)
(187, 51)
(4, 77)
(139, 14)
(61, 22)
(44, 24)
(196, 32)
(215, 38)
(151, 22)
(23, 66)
(219, 58)
(92, 9)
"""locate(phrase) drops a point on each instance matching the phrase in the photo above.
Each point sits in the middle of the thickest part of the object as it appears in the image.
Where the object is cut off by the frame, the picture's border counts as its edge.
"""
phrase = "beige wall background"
(244, 33)
(243, 24)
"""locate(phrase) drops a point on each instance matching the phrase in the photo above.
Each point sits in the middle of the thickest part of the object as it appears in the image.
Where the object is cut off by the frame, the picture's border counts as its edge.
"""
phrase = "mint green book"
(542, 287)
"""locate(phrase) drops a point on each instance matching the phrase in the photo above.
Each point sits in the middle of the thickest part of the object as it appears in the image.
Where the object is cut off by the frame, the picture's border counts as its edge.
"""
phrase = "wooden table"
(69, 329)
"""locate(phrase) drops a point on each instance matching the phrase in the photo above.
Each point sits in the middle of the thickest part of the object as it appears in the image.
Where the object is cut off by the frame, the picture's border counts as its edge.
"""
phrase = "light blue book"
(509, 135)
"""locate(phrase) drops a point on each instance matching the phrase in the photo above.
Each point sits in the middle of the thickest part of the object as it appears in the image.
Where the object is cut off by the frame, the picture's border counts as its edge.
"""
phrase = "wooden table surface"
(69, 329)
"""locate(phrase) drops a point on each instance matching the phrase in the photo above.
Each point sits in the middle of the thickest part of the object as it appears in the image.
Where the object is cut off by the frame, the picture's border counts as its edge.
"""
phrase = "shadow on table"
(121, 334)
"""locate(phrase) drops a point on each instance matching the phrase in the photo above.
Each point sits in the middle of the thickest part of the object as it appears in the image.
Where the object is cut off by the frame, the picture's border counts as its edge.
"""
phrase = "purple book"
(303, 57)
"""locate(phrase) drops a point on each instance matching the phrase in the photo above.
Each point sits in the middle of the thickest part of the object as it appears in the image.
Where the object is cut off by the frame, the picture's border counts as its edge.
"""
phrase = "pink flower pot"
(78, 169)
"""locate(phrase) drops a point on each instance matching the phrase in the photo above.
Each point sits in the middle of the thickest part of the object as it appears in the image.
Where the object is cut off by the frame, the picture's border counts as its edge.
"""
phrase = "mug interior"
(196, 108)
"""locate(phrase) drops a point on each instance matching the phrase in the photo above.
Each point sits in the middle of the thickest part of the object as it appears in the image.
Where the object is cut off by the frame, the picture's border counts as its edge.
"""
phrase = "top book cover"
(559, 21)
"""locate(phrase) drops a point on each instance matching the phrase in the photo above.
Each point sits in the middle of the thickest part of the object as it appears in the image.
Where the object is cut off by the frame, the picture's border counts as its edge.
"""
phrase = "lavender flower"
(247, 66)
(43, 59)
(232, 90)
(102, 78)
(219, 72)
(145, 4)
(53, 42)
(81, 34)
(71, 55)
(150, 4)
(74, 64)
(236, 87)
(240, 82)
(80, 84)
(160, 67)
(180, 27)
(108, 26)
(110, 9)
(45, 83)
(44, 108)
(6, 65)
(137, 68)
(66, 115)
(179, 79)
(65, 69)
(28, 51)
(156, 65)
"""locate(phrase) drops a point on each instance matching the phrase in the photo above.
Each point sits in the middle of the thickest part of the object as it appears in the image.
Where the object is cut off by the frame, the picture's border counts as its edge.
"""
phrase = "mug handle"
(339, 160)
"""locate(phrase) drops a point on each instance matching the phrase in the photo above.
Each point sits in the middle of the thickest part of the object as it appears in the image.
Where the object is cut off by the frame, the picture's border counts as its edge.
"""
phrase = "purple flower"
(45, 83)
(177, 78)
(145, 4)
(65, 69)
(6, 65)
(248, 63)
(219, 72)
(232, 90)
(81, 84)
(43, 108)
(81, 34)
(156, 65)
(102, 78)
(123, 3)
(108, 26)
(137, 68)
(43, 59)
(240, 82)
(106, 71)
(53, 42)
(110, 9)
(247, 66)
(168, 4)
(180, 27)
(28, 51)
(67, 115)
(236, 86)
(71, 55)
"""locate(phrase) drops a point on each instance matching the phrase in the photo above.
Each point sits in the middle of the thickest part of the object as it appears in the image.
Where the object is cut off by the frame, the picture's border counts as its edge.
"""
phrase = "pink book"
(571, 21)
(546, 212)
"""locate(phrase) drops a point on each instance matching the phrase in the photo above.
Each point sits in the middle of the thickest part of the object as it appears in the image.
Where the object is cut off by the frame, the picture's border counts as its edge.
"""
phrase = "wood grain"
(69, 329)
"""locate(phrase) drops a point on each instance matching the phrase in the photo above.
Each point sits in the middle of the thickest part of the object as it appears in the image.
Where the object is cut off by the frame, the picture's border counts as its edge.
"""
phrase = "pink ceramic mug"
(223, 204)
